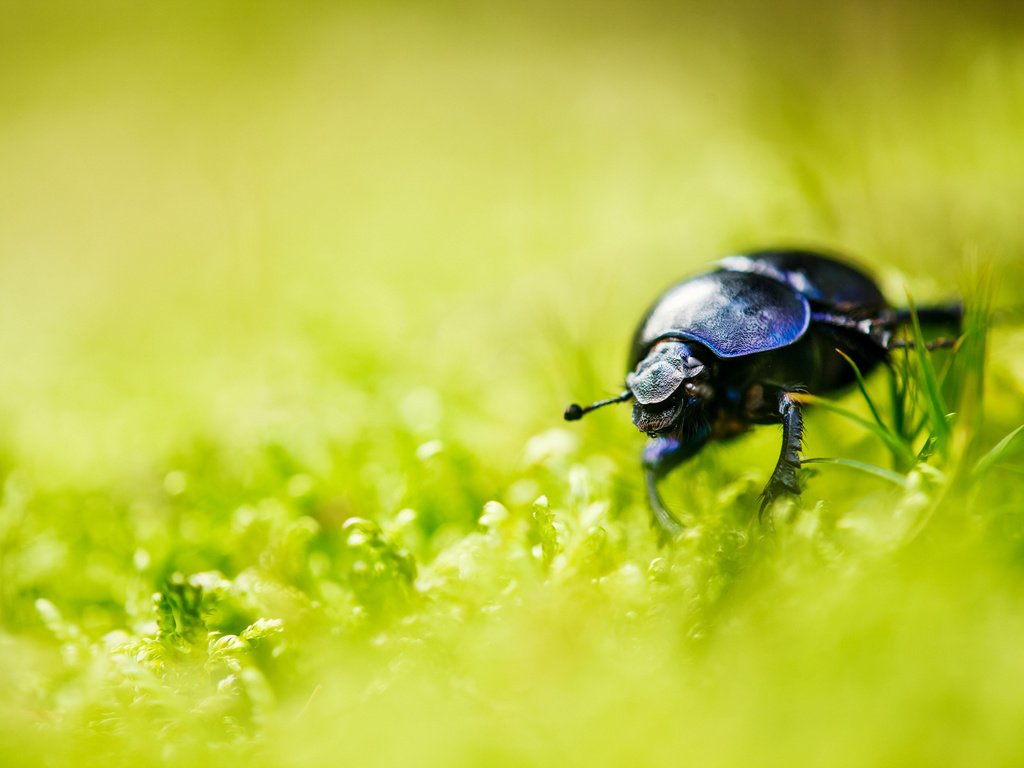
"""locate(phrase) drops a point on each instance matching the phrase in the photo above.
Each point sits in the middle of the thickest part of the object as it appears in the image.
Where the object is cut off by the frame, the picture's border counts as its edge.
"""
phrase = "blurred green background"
(269, 267)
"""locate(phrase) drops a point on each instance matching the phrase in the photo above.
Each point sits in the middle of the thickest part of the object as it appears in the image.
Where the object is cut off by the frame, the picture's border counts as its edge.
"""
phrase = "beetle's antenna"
(575, 412)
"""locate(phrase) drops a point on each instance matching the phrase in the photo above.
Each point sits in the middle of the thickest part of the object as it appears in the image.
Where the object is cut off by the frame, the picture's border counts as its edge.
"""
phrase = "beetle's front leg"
(661, 455)
(783, 479)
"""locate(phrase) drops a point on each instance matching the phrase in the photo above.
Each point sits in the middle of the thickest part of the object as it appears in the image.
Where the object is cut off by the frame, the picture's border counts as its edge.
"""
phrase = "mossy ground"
(292, 296)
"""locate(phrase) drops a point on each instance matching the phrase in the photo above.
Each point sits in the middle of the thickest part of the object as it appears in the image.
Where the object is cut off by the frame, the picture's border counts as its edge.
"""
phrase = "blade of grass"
(915, 431)
(898, 457)
(934, 401)
(907, 392)
(898, 396)
(970, 363)
(862, 386)
(997, 453)
(897, 446)
(886, 474)
(927, 450)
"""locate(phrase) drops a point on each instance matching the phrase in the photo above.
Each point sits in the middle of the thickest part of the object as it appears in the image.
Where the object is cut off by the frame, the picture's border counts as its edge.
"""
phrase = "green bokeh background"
(297, 263)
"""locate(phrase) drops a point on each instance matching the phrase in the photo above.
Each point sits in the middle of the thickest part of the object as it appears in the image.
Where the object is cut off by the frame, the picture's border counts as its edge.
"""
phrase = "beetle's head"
(669, 386)
(668, 389)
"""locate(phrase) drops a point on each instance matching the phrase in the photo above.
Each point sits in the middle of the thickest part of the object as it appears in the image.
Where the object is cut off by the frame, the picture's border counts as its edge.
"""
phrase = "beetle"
(734, 347)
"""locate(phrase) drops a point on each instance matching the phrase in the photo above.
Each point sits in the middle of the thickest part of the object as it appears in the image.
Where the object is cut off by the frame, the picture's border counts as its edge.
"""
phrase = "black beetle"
(734, 347)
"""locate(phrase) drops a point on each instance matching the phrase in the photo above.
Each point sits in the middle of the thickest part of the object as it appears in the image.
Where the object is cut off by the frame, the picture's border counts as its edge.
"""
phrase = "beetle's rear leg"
(783, 479)
(950, 315)
(931, 346)
(661, 455)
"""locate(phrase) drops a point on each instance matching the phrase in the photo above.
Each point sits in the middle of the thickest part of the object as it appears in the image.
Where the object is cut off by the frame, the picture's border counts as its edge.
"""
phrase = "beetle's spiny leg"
(784, 479)
(668, 524)
(661, 455)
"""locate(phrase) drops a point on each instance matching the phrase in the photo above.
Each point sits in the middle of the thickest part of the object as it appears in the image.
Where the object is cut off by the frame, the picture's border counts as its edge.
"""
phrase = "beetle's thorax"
(670, 388)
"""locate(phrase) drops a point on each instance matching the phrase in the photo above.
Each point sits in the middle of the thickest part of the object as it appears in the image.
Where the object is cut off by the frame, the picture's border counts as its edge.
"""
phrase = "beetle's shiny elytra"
(730, 348)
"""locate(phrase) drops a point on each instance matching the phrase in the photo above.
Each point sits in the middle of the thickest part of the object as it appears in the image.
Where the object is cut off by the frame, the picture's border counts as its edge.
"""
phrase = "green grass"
(292, 297)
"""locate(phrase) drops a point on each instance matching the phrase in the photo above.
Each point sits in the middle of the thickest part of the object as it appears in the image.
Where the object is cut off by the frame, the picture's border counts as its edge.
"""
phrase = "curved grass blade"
(897, 446)
(998, 452)
(967, 389)
(886, 474)
(862, 386)
(934, 401)
(898, 400)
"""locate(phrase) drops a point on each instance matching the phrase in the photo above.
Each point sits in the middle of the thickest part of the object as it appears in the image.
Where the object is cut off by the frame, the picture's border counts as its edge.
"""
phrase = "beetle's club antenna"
(575, 412)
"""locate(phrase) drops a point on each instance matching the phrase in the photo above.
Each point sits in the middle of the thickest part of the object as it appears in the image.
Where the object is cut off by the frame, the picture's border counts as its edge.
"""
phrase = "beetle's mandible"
(733, 347)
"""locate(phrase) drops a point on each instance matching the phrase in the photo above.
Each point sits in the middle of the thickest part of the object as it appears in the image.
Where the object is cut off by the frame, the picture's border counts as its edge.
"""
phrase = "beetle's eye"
(690, 388)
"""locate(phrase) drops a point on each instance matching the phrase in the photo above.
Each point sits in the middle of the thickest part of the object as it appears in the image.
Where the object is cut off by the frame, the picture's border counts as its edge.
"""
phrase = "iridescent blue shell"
(825, 281)
(732, 313)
